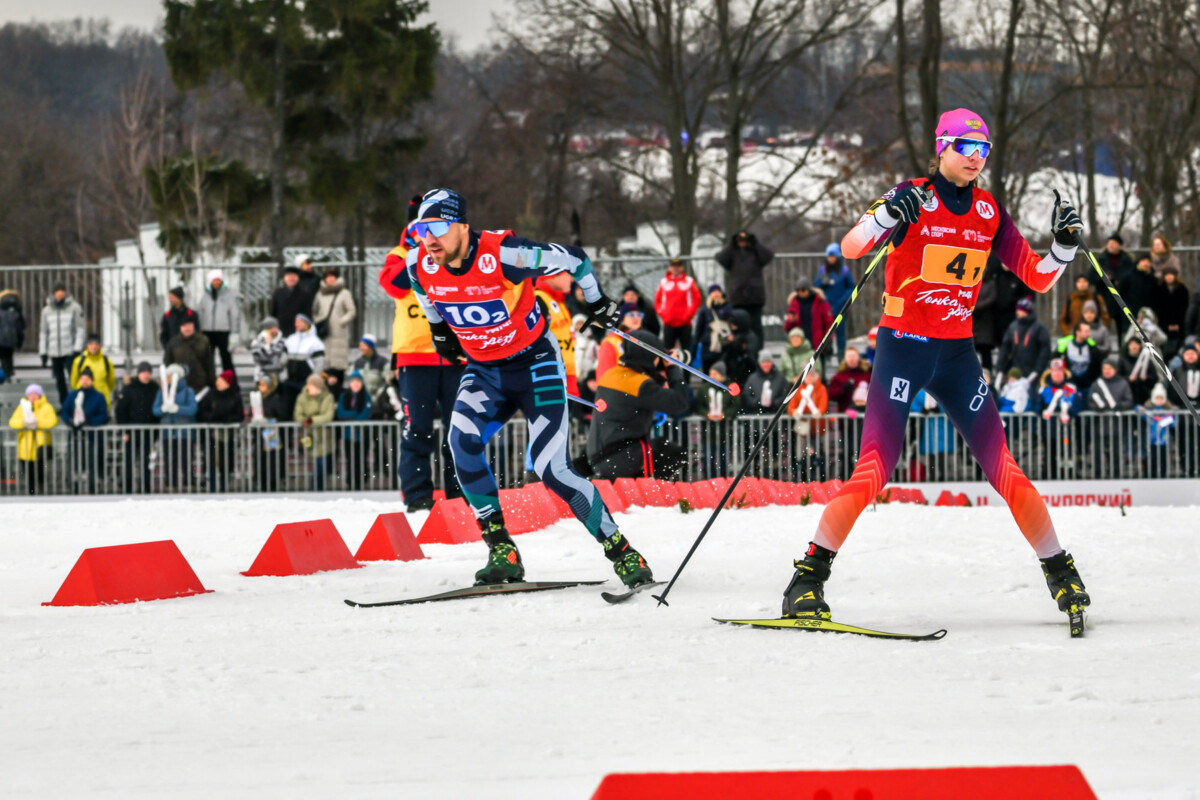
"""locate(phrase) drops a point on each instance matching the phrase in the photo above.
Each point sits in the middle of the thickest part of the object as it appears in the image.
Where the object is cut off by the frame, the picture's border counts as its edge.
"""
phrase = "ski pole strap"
(1146, 344)
(732, 388)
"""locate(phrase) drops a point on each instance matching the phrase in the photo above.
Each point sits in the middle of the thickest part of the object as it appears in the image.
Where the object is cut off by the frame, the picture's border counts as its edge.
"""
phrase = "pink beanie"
(959, 122)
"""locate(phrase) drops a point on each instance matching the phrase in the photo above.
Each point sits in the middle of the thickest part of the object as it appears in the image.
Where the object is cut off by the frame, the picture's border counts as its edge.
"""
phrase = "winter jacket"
(36, 436)
(1047, 397)
(1171, 307)
(983, 326)
(1009, 291)
(843, 385)
(135, 403)
(813, 315)
(716, 402)
(1116, 267)
(274, 404)
(95, 408)
(1160, 261)
(1139, 370)
(354, 407)
(633, 399)
(104, 376)
(319, 411)
(286, 303)
(1191, 323)
(1113, 394)
(12, 320)
(173, 320)
(765, 391)
(835, 283)
(1083, 360)
(270, 357)
(218, 311)
(649, 318)
(1147, 320)
(310, 281)
(744, 286)
(306, 356)
(1137, 289)
(375, 372)
(1161, 419)
(677, 300)
(62, 331)
(185, 398)
(196, 353)
(221, 406)
(1073, 310)
(1014, 396)
(740, 352)
(608, 353)
(1188, 378)
(712, 326)
(334, 306)
(1026, 346)
(795, 359)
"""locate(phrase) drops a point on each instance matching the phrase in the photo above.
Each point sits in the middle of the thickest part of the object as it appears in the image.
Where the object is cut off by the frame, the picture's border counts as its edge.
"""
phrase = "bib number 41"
(953, 266)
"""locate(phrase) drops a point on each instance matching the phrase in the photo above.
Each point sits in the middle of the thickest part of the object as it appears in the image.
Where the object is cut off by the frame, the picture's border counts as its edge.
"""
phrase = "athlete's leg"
(963, 394)
(545, 407)
(902, 366)
(480, 410)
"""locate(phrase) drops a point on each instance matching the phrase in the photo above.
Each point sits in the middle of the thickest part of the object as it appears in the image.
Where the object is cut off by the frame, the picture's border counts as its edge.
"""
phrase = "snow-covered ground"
(272, 687)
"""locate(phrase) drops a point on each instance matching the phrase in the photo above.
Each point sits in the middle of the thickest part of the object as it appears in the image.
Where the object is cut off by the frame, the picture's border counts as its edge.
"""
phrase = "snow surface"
(272, 687)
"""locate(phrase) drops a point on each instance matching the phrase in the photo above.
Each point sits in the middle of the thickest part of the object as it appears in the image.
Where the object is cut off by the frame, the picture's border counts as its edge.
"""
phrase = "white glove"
(170, 408)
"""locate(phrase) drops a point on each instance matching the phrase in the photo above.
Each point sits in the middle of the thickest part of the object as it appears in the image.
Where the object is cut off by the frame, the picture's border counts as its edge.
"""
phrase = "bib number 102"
(956, 266)
(473, 315)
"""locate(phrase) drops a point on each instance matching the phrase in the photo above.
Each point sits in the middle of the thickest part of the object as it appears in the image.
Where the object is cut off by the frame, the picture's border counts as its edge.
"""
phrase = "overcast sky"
(468, 21)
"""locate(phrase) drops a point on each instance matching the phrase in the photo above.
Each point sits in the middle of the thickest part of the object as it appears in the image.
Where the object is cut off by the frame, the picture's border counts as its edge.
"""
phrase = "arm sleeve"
(694, 301)
(724, 256)
(80, 327)
(393, 278)
(524, 259)
(1039, 274)
(764, 253)
(671, 400)
(187, 402)
(872, 226)
(44, 335)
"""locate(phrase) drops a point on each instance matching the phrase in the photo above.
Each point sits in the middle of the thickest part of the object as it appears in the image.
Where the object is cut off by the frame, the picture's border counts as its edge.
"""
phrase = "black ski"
(1078, 621)
(621, 597)
(479, 591)
(829, 626)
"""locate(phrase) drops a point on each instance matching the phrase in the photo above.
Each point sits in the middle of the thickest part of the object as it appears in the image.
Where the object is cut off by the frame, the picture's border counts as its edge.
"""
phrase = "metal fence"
(362, 456)
(125, 304)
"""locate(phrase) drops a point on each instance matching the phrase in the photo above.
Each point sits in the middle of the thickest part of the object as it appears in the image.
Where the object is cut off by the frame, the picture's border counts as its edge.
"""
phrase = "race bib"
(953, 266)
(473, 315)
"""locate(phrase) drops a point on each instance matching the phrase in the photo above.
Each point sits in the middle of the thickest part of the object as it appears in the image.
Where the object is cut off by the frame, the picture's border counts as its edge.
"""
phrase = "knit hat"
(1058, 363)
(873, 333)
(34, 388)
(354, 374)
(1158, 391)
(956, 123)
(86, 372)
(144, 366)
(630, 308)
(215, 275)
(1113, 361)
(228, 377)
(1015, 372)
(178, 371)
(796, 332)
(306, 318)
(1025, 304)
(334, 271)
(316, 380)
(268, 323)
(635, 356)
(291, 269)
(804, 282)
(369, 341)
(715, 287)
(1116, 237)
(1190, 340)
(720, 368)
(59, 286)
(675, 262)
(833, 249)
(578, 318)
(1090, 305)
(93, 337)
(444, 204)
(1172, 269)
(177, 292)
(302, 259)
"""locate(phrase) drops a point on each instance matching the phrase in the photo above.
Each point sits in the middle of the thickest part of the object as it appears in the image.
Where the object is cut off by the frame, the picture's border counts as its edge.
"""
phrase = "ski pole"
(662, 598)
(599, 406)
(732, 388)
(1158, 359)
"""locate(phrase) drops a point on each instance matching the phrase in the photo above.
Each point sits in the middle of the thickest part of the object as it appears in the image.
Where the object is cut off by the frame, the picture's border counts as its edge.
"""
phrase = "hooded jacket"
(12, 320)
(104, 375)
(744, 283)
(815, 310)
(135, 404)
(62, 331)
(196, 353)
(218, 310)
(1026, 346)
(320, 411)
(677, 300)
(30, 440)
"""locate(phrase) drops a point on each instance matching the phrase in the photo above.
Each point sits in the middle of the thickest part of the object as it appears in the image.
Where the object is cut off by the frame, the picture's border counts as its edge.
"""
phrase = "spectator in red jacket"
(810, 311)
(676, 303)
(849, 386)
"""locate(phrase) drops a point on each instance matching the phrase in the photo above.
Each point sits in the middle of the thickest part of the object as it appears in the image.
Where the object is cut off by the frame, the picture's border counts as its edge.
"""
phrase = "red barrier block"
(450, 522)
(536, 499)
(629, 491)
(705, 496)
(390, 539)
(961, 499)
(522, 513)
(945, 498)
(609, 495)
(755, 495)
(954, 783)
(819, 493)
(790, 494)
(302, 548)
(918, 497)
(654, 493)
(126, 573)
(683, 490)
(719, 486)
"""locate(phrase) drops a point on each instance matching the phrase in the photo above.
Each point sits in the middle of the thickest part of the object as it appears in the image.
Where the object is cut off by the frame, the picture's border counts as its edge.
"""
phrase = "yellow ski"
(829, 626)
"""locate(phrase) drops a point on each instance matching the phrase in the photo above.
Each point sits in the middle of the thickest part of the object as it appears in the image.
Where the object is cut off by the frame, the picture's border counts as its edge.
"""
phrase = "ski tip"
(351, 603)
(938, 634)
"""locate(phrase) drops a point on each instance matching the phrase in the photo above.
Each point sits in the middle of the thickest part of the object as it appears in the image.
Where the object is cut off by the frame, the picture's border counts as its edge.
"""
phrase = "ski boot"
(805, 595)
(1067, 589)
(628, 563)
(504, 562)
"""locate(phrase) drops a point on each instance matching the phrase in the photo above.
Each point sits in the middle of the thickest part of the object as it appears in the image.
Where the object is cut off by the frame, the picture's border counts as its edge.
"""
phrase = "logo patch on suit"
(487, 263)
(985, 209)
(900, 390)
(429, 265)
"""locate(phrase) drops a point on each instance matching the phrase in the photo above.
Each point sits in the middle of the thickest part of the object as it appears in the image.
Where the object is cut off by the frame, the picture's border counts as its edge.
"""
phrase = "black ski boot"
(504, 562)
(628, 563)
(1066, 587)
(805, 595)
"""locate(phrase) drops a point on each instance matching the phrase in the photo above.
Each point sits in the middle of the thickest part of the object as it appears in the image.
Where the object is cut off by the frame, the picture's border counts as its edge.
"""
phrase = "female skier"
(942, 229)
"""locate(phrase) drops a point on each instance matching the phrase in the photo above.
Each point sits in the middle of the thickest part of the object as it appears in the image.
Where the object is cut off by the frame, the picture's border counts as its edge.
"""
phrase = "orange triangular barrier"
(126, 573)
(390, 539)
(450, 522)
(302, 548)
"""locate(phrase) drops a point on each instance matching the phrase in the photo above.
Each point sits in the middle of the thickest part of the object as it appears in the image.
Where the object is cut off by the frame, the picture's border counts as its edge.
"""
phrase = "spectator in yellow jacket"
(33, 417)
(104, 377)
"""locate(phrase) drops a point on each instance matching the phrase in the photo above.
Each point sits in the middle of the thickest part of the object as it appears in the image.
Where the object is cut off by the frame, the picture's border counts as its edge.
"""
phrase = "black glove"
(45, 361)
(604, 312)
(906, 203)
(1065, 223)
(446, 343)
